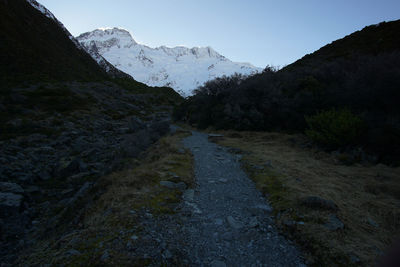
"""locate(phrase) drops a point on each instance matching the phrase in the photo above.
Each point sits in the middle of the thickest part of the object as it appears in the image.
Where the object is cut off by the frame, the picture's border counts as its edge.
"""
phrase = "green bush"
(334, 128)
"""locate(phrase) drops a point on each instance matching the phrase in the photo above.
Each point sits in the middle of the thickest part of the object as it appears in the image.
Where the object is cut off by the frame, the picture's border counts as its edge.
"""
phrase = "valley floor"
(189, 202)
(229, 222)
(341, 214)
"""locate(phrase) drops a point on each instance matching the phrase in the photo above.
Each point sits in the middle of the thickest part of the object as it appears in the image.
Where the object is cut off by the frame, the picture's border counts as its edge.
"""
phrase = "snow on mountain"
(181, 68)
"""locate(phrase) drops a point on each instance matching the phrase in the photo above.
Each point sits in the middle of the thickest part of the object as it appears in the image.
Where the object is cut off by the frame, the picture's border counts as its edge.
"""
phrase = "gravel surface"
(230, 222)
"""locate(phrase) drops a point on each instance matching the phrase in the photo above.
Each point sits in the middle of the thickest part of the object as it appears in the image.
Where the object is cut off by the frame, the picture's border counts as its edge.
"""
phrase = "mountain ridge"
(103, 63)
(181, 68)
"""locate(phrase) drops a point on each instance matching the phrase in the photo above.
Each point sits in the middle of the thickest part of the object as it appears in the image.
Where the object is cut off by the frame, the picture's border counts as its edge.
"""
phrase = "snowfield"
(181, 68)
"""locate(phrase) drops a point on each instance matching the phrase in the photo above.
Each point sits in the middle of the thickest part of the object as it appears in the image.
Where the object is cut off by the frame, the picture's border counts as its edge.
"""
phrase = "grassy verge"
(368, 198)
(101, 234)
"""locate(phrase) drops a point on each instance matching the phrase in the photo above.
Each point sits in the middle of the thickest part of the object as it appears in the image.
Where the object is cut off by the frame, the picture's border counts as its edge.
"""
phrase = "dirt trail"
(230, 222)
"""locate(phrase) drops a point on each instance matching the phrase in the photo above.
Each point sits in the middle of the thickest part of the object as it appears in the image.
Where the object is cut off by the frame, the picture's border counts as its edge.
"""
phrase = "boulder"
(44, 175)
(334, 223)
(215, 135)
(319, 203)
(189, 195)
(10, 204)
(234, 223)
(80, 194)
(74, 167)
(171, 185)
(253, 222)
(135, 124)
(160, 127)
(11, 188)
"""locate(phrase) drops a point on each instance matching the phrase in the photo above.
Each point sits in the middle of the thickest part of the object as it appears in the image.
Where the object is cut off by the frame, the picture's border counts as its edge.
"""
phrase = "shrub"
(334, 128)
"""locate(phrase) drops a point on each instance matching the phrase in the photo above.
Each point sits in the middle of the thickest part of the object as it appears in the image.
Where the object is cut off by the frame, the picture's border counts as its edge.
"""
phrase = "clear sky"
(262, 32)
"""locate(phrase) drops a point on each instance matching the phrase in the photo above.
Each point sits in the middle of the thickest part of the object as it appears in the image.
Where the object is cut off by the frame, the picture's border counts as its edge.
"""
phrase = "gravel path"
(230, 222)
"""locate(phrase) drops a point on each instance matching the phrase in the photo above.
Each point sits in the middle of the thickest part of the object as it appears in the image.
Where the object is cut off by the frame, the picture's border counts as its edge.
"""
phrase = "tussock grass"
(290, 172)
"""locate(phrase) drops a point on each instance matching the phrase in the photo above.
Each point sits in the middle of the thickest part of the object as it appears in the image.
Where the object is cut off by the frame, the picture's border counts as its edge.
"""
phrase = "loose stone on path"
(230, 221)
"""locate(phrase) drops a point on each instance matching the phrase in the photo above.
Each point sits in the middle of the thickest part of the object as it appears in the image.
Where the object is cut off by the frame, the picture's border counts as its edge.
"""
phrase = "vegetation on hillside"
(360, 73)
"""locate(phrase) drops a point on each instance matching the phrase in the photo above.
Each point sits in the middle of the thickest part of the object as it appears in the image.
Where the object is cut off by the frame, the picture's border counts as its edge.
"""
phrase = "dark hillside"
(353, 79)
(34, 47)
(373, 40)
(64, 124)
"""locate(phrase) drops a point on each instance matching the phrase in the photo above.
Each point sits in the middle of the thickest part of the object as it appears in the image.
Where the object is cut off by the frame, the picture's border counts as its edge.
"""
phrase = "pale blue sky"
(260, 32)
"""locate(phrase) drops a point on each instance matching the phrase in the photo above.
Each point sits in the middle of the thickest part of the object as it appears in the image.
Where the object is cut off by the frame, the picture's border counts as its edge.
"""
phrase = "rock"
(10, 203)
(171, 185)
(264, 208)
(215, 135)
(253, 222)
(372, 222)
(319, 203)
(79, 176)
(160, 127)
(257, 167)
(124, 130)
(268, 164)
(227, 236)
(234, 223)
(72, 252)
(133, 144)
(11, 188)
(81, 193)
(167, 254)
(219, 222)
(14, 123)
(334, 223)
(67, 191)
(217, 263)
(24, 177)
(105, 256)
(354, 259)
(188, 195)
(290, 224)
(173, 175)
(168, 184)
(44, 175)
(33, 189)
(194, 207)
(74, 167)
(233, 150)
(135, 124)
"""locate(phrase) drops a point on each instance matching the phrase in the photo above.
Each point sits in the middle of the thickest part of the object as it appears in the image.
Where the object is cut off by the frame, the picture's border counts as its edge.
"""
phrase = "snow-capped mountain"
(181, 68)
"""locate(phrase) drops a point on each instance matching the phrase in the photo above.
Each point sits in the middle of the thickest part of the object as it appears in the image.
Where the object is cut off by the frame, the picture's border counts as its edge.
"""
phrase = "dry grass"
(114, 217)
(361, 193)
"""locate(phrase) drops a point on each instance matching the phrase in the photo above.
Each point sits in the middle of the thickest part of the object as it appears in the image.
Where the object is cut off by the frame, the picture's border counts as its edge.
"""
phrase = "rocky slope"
(52, 154)
(181, 68)
(64, 122)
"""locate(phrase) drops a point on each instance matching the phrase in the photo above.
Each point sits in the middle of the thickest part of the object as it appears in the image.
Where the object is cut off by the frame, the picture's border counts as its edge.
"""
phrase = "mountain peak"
(109, 37)
(180, 67)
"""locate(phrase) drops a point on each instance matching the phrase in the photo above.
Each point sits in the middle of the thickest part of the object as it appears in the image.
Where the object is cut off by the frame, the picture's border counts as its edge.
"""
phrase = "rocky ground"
(230, 222)
(56, 141)
(220, 220)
